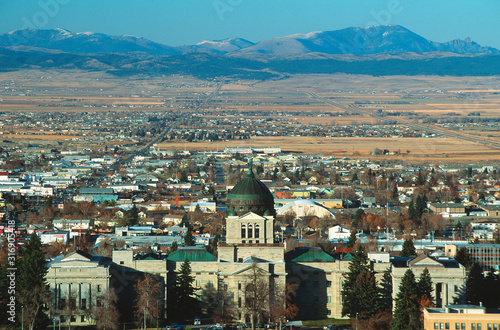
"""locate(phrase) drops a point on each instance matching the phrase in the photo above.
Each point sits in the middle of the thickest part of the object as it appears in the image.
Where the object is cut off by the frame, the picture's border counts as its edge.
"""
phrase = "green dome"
(250, 195)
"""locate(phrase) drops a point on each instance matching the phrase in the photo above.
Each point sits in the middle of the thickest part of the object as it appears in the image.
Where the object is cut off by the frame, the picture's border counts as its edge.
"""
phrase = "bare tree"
(282, 307)
(149, 291)
(32, 307)
(256, 294)
(105, 313)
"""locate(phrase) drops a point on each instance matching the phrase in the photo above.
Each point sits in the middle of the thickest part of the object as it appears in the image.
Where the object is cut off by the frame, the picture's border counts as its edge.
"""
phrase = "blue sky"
(181, 22)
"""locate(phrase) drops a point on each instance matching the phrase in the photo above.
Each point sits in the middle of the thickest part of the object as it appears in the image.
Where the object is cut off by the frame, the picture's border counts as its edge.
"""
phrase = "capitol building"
(249, 245)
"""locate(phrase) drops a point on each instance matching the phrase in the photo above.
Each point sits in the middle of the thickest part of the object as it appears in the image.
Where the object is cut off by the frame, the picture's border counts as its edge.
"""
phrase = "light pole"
(356, 321)
(158, 310)
(22, 317)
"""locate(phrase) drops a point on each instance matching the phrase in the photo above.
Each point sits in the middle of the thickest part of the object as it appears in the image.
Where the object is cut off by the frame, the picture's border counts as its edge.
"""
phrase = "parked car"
(330, 327)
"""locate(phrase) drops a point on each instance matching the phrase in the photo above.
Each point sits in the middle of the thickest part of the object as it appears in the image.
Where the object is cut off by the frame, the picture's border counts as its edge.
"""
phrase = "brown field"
(427, 95)
(35, 137)
(420, 149)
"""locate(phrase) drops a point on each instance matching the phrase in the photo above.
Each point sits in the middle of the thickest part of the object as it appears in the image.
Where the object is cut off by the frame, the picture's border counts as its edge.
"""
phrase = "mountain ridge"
(352, 40)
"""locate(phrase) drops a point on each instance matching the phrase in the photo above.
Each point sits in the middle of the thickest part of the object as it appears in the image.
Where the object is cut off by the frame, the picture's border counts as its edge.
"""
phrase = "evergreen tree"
(420, 205)
(408, 249)
(420, 179)
(352, 239)
(357, 216)
(412, 213)
(386, 292)
(367, 295)
(425, 286)
(189, 239)
(463, 257)
(350, 288)
(491, 297)
(173, 247)
(133, 216)
(32, 287)
(474, 285)
(354, 177)
(182, 300)
(407, 309)
(395, 193)
(4, 297)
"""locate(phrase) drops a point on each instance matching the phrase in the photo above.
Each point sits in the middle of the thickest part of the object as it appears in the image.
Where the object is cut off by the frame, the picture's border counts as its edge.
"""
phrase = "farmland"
(417, 118)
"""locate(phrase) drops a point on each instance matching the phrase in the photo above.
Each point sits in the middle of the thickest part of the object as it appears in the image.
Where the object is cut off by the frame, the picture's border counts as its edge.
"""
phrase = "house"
(448, 209)
(339, 233)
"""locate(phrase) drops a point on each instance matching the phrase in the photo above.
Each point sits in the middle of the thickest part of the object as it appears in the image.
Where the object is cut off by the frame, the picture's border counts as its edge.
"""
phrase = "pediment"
(77, 256)
(247, 271)
(424, 261)
(251, 216)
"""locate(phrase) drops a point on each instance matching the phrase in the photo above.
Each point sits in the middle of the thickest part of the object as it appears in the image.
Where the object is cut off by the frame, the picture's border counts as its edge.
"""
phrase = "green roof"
(191, 253)
(308, 254)
(250, 195)
(348, 257)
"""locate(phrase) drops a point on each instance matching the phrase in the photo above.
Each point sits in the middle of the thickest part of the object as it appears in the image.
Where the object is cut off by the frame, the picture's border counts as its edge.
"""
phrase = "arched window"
(256, 231)
(250, 231)
(243, 231)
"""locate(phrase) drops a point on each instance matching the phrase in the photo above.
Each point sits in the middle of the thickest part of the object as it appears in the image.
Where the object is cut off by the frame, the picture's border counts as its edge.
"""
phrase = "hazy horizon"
(191, 21)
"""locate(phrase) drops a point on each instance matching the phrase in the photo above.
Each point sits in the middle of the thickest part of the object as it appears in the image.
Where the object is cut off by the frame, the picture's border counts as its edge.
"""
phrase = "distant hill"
(82, 42)
(382, 50)
(380, 39)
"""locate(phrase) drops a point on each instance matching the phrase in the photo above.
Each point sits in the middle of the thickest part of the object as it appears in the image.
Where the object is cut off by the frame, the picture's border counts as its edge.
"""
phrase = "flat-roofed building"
(461, 317)
(486, 255)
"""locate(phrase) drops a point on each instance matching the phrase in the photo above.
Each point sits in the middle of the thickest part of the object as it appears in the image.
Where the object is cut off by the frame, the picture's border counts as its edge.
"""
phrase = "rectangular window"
(479, 326)
(457, 326)
(211, 283)
(436, 325)
(329, 299)
(239, 286)
(328, 312)
(328, 284)
(98, 302)
(84, 303)
(441, 325)
(463, 326)
(473, 326)
(243, 231)
(250, 232)
(447, 326)
(257, 232)
(495, 326)
(239, 302)
(99, 287)
(82, 318)
(490, 327)
(198, 283)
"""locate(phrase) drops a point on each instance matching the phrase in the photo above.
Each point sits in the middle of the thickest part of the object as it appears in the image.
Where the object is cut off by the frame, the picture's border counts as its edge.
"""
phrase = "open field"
(297, 101)
(420, 149)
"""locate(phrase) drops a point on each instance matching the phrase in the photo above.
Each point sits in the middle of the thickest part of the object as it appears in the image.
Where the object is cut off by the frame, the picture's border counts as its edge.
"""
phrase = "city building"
(487, 255)
(461, 317)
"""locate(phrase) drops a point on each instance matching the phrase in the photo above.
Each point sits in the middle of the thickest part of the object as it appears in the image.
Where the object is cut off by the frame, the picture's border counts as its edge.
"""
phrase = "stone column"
(89, 296)
(79, 296)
